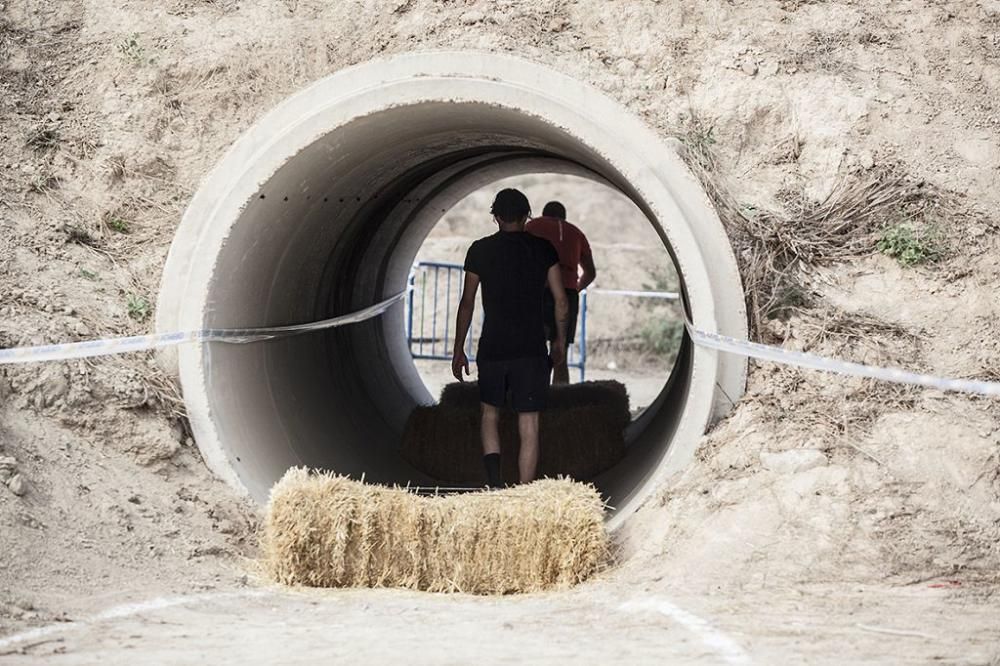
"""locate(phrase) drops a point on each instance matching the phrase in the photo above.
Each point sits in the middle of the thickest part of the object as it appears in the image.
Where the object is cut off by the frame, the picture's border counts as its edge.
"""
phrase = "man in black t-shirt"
(515, 269)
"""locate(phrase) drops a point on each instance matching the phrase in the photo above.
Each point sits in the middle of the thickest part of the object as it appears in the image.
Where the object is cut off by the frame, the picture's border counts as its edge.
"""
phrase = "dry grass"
(829, 411)
(581, 434)
(857, 337)
(323, 530)
(773, 247)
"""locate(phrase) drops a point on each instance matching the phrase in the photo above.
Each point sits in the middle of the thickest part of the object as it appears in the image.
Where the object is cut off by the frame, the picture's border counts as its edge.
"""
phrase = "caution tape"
(812, 361)
(109, 346)
(723, 343)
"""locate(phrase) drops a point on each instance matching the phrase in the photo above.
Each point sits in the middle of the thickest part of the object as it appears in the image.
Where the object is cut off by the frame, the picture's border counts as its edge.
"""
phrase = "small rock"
(8, 462)
(779, 329)
(625, 67)
(769, 69)
(473, 17)
(135, 499)
(558, 24)
(68, 310)
(226, 526)
(81, 329)
(17, 485)
(866, 160)
(30, 521)
(749, 67)
(791, 462)
(208, 551)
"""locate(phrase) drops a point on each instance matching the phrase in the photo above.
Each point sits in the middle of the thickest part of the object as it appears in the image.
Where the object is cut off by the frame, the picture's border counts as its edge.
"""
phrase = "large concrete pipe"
(320, 208)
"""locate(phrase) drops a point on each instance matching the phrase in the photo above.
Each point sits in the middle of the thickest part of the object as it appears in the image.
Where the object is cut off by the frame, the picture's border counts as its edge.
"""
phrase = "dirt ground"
(609, 621)
(826, 520)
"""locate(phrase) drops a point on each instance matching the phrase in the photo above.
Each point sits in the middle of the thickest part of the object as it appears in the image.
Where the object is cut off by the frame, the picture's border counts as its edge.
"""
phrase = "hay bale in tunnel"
(323, 530)
(581, 433)
(606, 392)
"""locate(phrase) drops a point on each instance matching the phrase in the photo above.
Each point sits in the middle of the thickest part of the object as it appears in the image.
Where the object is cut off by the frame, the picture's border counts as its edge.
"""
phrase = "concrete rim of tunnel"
(684, 216)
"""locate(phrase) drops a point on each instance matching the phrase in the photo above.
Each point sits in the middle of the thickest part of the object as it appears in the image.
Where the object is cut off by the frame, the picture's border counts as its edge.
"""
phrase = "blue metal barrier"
(424, 344)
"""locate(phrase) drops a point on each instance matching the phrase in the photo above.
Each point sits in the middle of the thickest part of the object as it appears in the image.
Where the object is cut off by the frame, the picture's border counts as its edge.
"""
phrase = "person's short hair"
(510, 206)
(554, 209)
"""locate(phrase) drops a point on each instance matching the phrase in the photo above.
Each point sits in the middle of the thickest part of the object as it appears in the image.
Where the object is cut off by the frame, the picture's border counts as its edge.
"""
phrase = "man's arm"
(561, 313)
(466, 308)
(589, 270)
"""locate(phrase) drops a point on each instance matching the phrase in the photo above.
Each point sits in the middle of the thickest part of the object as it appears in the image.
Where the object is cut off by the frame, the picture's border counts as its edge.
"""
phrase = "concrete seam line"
(123, 610)
(716, 640)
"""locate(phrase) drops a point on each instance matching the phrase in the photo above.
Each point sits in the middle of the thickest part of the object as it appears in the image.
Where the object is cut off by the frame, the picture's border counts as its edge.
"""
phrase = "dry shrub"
(828, 410)
(857, 337)
(772, 247)
(323, 530)
(581, 434)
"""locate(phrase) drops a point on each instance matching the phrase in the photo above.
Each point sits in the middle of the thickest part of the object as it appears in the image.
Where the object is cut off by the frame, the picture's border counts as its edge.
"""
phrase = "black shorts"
(526, 380)
(573, 296)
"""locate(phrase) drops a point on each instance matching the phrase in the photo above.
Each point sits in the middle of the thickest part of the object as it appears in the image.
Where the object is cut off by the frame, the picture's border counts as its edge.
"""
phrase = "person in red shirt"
(576, 263)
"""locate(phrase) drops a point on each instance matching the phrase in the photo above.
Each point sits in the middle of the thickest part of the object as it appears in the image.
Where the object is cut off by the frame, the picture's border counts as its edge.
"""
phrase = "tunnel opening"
(629, 327)
(321, 208)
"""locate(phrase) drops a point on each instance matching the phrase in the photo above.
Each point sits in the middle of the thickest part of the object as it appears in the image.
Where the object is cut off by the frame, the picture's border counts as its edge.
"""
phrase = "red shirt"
(569, 242)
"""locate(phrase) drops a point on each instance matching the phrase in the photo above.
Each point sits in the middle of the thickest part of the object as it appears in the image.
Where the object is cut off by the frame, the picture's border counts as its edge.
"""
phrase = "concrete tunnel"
(320, 208)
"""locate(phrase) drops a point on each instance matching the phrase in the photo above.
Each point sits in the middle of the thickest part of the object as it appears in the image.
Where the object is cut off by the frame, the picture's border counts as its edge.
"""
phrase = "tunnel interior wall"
(333, 226)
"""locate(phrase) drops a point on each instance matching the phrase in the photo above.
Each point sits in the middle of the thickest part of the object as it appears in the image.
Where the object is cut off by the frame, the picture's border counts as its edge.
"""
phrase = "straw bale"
(323, 530)
(581, 434)
(561, 396)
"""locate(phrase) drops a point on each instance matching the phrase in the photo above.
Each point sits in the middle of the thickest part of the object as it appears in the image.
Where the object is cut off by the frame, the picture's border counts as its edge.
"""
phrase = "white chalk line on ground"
(716, 640)
(121, 611)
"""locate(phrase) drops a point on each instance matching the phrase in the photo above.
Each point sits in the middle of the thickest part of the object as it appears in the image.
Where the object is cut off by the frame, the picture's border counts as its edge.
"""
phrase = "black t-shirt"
(512, 267)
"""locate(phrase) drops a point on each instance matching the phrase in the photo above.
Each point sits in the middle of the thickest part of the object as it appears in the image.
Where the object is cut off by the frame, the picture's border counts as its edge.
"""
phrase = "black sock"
(492, 462)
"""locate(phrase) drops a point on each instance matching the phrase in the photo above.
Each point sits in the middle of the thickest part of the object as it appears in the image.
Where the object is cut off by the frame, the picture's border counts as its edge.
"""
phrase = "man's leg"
(490, 429)
(560, 372)
(492, 389)
(529, 393)
(489, 432)
(527, 461)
